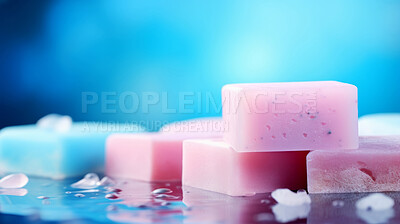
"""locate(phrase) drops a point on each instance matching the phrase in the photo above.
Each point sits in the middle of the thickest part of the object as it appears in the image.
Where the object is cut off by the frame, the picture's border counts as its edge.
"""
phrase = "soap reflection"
(210, 207)
(142, 202)
(284, 213)
(14, 192)
(325, 209)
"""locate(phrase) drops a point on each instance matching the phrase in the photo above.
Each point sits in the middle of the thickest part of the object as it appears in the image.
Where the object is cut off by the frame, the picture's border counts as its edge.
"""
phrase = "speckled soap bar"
(290, 116)
(374, 167)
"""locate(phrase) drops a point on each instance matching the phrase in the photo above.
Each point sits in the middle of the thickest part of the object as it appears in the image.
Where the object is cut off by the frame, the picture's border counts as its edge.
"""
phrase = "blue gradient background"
(52, 51)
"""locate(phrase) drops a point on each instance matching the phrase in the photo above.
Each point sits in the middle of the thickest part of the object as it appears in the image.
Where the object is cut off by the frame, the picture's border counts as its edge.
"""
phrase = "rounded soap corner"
(231, 87)
(310, 155)
(112, 137)
(224, 87)
(188, 142)
(351, 86)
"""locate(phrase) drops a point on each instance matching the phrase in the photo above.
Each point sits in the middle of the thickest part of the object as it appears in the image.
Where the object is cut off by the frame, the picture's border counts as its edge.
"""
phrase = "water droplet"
(14, 181)
(111, 196)
(167, 196)
(165, 203)
(112, 208)
(114, 190)
(91, 180)
(265, 201)
(87, 191)
(79, 195)
(337, 203)
(301, 191)
(42, 197)
(106, 181)
(162, 191)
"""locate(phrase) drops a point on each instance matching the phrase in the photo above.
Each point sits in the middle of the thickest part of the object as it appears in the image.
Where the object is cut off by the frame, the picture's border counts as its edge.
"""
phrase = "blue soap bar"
(58, 155)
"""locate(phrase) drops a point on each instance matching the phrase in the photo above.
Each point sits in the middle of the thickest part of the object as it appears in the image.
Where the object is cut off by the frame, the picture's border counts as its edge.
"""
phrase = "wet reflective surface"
(49, 201)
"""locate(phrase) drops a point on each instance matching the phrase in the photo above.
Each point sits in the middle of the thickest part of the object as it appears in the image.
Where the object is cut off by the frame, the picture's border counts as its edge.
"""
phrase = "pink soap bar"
(147, 156)
(374, 167)
(290, 116)
(212, 164)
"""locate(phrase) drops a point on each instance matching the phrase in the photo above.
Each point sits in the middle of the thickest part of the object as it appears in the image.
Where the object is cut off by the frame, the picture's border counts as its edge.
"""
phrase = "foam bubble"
(375, 202)
(290, 198)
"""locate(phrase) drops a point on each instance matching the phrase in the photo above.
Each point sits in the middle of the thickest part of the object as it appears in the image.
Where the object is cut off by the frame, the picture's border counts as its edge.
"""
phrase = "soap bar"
(212, 164)
(44, 152)
(290, 116)
(379, 124)
(374, 167)
(148, 157)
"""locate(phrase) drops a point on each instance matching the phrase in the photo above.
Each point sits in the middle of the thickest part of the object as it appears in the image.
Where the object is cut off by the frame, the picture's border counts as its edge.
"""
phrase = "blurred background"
(51, 52)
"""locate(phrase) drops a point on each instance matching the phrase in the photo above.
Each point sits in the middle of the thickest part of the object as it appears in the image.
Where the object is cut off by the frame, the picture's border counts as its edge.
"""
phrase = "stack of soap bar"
(290, 116)
(374, 167)
(212, 164)
(55, 153)
(151, 156)
(379, 124)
